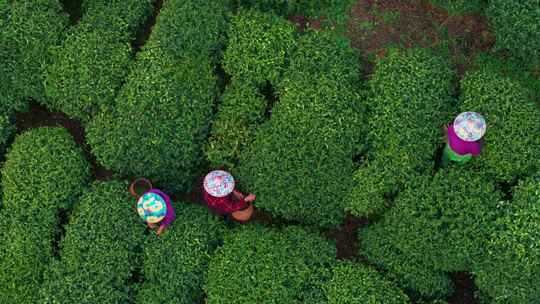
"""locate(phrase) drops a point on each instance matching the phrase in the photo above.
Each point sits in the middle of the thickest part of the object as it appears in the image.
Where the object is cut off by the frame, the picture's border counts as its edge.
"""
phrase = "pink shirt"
(171, 215)
(461, 146)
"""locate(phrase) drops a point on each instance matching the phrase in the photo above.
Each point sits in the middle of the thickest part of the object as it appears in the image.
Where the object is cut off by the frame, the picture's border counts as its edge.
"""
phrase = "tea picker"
(463, 138)
(222, 198)
(153, 206)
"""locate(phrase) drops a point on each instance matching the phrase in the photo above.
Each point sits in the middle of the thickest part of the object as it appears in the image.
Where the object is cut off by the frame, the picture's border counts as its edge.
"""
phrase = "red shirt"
(224, 205)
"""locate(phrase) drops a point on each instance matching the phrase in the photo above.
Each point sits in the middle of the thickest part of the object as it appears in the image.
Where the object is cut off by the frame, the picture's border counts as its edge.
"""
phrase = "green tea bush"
(517, 27)
(241, 110)
(175, 263)
(123, 17)
(300, 162)
(25, 36)
(44, 173)
(259, 265)
(190, 27)
(322, 54)
(160, 121)
(460, 7)
(438, 223)
(512, 144)
(410, 274)
(356, 283)
(334, 10)
(510, 270)
(99, 251)
(511, 68)
(87, 71)
(27, 250)
(410, 94)
(258, 47)
(46, 167)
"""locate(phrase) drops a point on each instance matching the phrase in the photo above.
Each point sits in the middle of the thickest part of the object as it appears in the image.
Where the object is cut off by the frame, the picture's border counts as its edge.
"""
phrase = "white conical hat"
(470, 126)
(219, 183)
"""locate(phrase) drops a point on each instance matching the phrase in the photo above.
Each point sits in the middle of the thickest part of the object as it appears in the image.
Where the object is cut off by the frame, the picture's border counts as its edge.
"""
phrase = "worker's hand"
(160, 230)
(250, 198)
(238, 194)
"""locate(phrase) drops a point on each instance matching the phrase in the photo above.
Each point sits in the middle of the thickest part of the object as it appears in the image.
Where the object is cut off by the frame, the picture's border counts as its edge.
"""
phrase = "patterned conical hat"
(219, 183)
(151, 207)
(470, 126)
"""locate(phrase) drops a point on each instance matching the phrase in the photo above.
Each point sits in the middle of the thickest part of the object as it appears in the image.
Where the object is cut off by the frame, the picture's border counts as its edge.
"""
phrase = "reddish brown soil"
(146, 28)
(303, 22)
(39, 116)
(377, 24)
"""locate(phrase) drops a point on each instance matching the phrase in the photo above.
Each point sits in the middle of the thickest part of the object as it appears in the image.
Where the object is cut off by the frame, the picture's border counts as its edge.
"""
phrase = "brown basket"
(140, 182)
(243, 215)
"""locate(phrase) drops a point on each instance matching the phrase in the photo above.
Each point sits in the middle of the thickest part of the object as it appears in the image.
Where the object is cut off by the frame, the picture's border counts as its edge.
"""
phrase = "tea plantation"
(341, 148)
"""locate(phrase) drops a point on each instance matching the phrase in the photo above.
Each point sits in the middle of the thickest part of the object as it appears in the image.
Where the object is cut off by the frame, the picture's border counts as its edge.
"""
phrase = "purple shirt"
(170, 216)
(461, 146)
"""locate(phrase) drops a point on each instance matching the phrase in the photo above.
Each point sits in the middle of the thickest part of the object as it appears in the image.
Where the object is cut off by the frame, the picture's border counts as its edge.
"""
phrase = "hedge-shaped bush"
(175, 263)
(517, 27)
(322, 54)
(87, 71)
(410, 94)
(100, 250)
(44, 166)
(44, 173)
(439, 223)
(356, 283)
(460, 7)
(241, 110)
(160, 120)
(123, 17)
(312, 8)
(31, 28)
(190, 27)
(510, 270)
(258, 47)
(512, 144)
(300, 163)
(259, 265)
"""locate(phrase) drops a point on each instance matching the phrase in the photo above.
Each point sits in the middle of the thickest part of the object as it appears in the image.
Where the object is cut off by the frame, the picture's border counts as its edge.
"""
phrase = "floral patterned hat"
(151, 207)
(470, 126)
(219, 183)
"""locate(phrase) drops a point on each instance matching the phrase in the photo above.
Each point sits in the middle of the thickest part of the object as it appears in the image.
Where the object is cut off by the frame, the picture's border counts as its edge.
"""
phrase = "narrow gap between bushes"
(146, 28)
(464, 289)
(39, 116)
(270, 95)
(74, 9)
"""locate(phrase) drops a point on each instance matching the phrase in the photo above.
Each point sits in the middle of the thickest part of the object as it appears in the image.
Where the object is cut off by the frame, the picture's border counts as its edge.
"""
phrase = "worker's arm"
(160, 230)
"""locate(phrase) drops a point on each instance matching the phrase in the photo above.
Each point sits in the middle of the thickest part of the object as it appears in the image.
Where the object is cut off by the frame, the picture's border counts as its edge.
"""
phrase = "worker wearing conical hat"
(464, 138)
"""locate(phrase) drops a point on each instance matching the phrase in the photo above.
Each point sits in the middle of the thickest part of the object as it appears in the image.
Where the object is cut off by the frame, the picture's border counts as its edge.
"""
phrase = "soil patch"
(465, 289)
(39, 116)
(74, 9)
(146, 28)
(346, 236)
(377, 24)
(302, 22)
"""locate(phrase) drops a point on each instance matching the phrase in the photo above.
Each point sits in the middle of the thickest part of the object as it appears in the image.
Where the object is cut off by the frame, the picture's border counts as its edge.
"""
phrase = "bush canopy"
(260, 265)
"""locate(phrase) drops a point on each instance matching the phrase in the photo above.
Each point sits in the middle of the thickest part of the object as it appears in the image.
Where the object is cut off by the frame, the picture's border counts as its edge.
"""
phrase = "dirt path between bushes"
(377, 24)
(39, 116)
